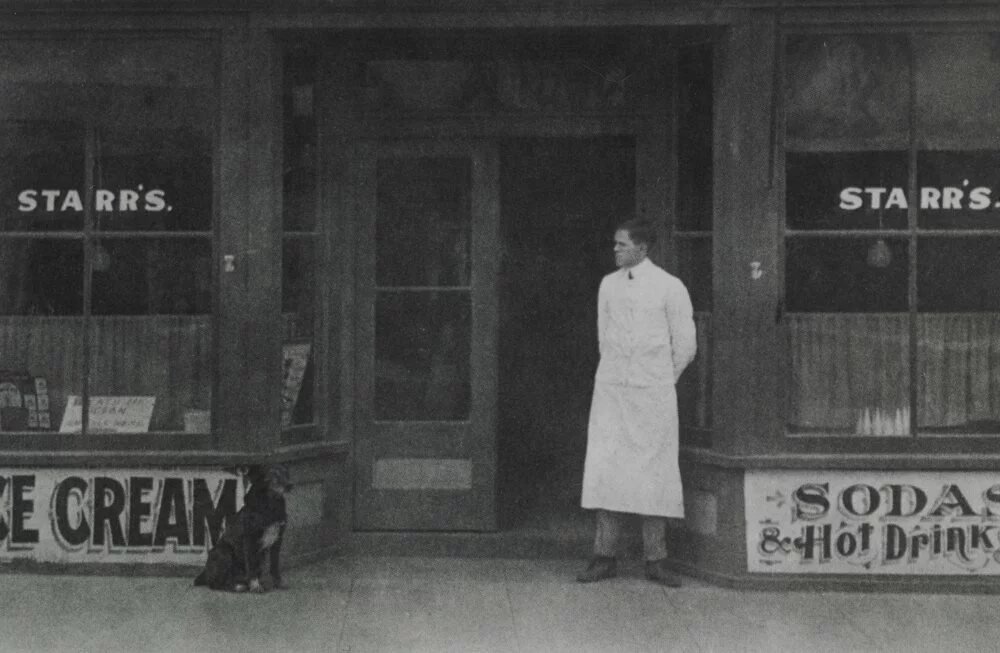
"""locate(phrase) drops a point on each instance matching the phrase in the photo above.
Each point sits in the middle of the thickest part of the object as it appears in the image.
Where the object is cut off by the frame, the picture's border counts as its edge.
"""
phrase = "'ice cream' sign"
(105, 201)
(88, 515)
(953, 198)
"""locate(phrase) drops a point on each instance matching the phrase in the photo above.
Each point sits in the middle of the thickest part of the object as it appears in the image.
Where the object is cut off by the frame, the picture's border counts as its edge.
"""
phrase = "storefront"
(366, 244)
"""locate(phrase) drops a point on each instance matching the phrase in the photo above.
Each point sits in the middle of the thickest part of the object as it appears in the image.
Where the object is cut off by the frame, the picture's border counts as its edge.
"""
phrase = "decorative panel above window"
(847, 91)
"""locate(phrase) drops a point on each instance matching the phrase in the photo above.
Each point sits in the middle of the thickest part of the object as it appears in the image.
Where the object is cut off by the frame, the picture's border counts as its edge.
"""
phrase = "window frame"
(223, 444)
(917, 442)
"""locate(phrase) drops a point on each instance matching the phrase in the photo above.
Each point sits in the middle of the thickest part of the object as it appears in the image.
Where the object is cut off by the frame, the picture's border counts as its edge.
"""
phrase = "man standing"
(646, 336)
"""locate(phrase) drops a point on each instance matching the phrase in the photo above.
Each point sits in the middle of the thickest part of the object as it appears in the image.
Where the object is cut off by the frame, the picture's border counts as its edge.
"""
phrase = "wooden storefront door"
(426, 337)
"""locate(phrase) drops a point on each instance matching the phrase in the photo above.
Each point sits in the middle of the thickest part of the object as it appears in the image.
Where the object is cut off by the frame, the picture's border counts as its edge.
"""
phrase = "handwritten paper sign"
(109, 414)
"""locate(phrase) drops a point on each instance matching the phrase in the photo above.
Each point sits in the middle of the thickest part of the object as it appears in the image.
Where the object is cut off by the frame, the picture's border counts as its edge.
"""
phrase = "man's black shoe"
(656, 571)
(600, 567)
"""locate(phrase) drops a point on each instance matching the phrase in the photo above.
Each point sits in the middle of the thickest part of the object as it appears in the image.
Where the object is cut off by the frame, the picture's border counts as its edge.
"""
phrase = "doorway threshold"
(566, 535)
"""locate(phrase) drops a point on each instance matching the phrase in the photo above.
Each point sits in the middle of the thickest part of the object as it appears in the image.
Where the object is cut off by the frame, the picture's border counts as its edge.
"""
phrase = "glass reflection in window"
(422, 231)
(422, 350)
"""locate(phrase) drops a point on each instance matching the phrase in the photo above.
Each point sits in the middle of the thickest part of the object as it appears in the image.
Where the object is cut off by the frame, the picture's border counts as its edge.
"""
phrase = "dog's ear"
(257, 474)
(279, 477)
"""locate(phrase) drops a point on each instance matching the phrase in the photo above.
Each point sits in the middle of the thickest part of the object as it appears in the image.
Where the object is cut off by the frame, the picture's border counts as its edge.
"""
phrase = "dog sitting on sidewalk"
(255, 531)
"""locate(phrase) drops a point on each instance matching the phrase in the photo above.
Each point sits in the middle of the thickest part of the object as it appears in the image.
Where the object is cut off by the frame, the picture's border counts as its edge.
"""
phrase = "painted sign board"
(119, 516)
(872, 522)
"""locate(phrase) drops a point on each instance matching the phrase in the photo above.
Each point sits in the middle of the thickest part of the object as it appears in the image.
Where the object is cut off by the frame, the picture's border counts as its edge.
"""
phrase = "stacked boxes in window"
(13, 410)
(39, 416)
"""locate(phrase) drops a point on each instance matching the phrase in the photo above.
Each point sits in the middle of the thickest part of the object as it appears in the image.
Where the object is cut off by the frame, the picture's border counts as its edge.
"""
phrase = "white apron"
(647, 338)
(631, 461)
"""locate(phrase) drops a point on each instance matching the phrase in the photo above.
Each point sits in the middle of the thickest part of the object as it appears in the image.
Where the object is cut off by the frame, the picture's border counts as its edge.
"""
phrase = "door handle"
(779, 311)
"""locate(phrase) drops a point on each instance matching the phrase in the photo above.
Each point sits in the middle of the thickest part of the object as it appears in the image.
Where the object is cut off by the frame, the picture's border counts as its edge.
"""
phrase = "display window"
(892, 234)
(302, 247)
(692, 235)
(106, 235)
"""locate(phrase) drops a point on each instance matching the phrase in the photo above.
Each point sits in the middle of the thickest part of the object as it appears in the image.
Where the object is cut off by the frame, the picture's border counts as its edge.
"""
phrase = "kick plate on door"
(422, 474)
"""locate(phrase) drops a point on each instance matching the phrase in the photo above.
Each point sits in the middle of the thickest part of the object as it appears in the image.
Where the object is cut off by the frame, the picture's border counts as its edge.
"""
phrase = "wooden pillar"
(747, 376)
(249, 242)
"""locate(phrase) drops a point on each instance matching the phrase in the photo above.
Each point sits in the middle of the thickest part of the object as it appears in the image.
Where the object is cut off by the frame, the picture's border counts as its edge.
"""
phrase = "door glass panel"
(423, 227)
(422, 348)
(422, 335)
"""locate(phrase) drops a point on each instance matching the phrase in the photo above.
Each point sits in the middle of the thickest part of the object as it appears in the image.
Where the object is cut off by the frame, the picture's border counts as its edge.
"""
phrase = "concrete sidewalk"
(466, 605)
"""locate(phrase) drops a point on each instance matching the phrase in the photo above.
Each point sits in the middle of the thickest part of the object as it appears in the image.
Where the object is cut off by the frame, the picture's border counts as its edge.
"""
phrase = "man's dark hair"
(640, 231)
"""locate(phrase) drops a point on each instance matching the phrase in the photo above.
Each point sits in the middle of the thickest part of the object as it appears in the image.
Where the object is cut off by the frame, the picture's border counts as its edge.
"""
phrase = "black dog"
(258, 528)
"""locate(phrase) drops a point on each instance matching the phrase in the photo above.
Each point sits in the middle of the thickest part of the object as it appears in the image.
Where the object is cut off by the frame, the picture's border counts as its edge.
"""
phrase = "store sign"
(53, 200)
(873, 522)
(141, 516)
(949, 198)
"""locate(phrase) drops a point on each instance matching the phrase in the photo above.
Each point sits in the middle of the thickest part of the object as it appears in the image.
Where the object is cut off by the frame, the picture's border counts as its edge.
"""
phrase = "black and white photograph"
(499, 326)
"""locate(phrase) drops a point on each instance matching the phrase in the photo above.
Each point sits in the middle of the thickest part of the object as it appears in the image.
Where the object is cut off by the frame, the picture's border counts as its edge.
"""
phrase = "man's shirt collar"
(639, 269)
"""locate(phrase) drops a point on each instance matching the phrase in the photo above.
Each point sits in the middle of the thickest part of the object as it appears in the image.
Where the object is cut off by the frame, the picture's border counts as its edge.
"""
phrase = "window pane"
(151, 337)
(847, 89)
(154, 167)
(150, 83)
(423, 225)
(300, 139)
(694, 139)
(422, 350)
(959, 190)
(694, 393)
(298, 307)
(849, 190)
(695, 90)
(958, 361)
(302, 362)
(298, 287)
(694, 268)
(44, 80)
(958, 100)
(159, 180)
(613, 82)
(850, 373)
(42, 185)
(158, 362)
(846, 275)
(958, 275)
(42, 365)
(848, 336)
(41, 277)
(958, 335)
(152, 276)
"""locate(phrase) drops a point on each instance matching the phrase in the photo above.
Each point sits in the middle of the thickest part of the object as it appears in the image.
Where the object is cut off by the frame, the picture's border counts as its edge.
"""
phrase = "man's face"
(627, 253)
